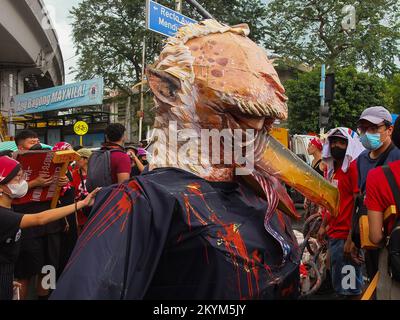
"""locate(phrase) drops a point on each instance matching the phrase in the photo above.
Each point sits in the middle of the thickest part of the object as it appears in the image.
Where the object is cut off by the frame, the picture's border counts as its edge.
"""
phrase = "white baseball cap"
(376, 115)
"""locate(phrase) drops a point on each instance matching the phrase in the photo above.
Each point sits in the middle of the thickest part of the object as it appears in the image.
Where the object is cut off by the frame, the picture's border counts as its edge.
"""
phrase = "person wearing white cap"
(340, 148)
(13, 186)
(375, 129)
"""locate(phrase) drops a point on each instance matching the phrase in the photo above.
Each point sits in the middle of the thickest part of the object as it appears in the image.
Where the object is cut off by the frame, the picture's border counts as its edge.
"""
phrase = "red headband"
(317, 143)
(9, 168)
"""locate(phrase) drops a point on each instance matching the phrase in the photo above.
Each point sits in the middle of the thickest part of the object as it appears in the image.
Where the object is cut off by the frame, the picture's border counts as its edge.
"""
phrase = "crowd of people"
(49, 235)
(356, 162)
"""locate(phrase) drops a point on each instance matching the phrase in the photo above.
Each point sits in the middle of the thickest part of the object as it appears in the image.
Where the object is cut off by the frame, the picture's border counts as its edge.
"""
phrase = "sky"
(59, 13)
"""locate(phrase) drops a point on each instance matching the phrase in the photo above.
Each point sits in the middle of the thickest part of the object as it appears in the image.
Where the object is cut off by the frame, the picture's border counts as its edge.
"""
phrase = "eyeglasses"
(370, 129)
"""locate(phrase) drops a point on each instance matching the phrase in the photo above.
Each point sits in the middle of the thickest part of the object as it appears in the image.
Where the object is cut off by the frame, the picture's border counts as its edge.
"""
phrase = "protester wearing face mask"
(341, 148)
(12, 186)
(375, 129)
(315, 149)
(28, 140)
(142, 155)
(380, 195)
(40, 245)
(137, 166)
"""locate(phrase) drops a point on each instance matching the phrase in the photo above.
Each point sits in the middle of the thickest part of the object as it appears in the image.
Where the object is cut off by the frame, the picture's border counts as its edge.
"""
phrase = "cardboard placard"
(43, 163)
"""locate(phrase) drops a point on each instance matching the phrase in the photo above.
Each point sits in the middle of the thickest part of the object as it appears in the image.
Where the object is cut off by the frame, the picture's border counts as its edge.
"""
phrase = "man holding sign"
(40, 246)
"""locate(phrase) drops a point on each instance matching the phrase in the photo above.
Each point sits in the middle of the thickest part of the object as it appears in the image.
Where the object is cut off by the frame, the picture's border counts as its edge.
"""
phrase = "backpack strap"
(359, 174)
(381, 161)
(393, 185)
(115, 150)
(396, 194)
(384, 156)
(110, 146)
(69, 175)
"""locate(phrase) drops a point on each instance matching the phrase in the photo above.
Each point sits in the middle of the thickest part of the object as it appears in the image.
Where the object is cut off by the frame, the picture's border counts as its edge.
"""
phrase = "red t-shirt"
(120, 163)
(379, 196)
(339, 227)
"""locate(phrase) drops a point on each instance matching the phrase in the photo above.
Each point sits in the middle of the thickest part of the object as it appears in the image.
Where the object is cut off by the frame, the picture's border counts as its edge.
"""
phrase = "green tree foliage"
(354, 91)
(108, 34)
(303, 102)
(310, 31)
(233, 12)
(393, 93)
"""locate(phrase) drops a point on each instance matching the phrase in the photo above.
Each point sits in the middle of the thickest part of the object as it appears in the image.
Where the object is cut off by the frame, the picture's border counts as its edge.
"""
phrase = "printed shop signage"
(80, 94)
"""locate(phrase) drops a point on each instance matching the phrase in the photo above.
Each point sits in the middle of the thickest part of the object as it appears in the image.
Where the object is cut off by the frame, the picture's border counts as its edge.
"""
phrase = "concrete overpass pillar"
(11, 84)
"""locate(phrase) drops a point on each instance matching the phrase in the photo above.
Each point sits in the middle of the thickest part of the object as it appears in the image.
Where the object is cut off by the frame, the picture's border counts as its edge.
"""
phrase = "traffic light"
(329, 87)
(324, 113)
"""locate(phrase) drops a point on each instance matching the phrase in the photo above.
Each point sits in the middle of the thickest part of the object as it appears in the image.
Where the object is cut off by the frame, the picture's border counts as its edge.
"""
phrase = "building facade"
(30, 55)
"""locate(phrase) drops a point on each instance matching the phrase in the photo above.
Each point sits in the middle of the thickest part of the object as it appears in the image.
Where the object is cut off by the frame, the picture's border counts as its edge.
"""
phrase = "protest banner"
(44, 163)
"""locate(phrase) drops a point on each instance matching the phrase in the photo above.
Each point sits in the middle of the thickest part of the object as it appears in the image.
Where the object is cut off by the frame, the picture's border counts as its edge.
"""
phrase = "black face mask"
(37, 146)
(145, 162)
(338, 153)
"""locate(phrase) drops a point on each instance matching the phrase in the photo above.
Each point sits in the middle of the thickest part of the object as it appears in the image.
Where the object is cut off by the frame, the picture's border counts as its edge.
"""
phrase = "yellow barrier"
(371, 288)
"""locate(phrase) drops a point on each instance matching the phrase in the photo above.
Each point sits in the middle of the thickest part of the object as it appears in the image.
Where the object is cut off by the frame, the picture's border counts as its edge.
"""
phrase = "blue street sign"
(163, 20)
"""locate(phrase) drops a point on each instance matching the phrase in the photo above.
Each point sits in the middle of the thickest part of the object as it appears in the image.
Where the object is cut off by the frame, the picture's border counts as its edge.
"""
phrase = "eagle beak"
(278, 161)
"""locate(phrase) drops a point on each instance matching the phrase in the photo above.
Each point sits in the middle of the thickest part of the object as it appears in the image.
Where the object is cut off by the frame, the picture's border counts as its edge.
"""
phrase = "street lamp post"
(142, 90)
(322, 108)
(10, 116)
(178, 5)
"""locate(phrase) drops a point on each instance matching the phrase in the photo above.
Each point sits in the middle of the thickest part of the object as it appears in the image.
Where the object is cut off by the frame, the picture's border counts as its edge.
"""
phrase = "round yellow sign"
(81, 128)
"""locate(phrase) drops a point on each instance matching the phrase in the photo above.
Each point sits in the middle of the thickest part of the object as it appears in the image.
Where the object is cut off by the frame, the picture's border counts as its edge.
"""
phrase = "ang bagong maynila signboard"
(80, 94)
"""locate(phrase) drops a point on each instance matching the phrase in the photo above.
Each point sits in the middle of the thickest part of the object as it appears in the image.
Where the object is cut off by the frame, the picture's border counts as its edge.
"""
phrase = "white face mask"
(18, 190)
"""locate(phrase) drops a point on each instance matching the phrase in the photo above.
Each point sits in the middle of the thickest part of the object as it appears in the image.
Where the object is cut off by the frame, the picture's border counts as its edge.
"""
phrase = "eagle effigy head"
(222, 73)
(235, 73)
(212, 76)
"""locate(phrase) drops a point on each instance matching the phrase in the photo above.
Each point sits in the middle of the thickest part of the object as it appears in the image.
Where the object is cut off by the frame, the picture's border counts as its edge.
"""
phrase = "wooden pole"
(64, 157)
(63, 172)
